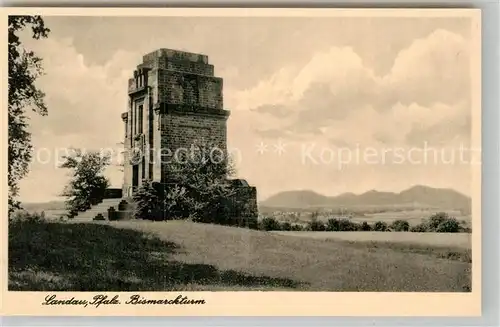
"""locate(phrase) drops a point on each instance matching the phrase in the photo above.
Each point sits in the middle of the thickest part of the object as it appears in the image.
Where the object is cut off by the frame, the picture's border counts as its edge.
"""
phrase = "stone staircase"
(101, 208)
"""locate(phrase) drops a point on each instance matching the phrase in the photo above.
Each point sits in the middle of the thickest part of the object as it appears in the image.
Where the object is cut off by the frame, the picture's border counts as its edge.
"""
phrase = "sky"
(331, 104)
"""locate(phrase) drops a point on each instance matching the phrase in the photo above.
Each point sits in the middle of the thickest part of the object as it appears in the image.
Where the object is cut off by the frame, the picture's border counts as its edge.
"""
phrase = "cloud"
(432, 69)
(428, 80)
(82, 99)
(452, 126)
(84, 106)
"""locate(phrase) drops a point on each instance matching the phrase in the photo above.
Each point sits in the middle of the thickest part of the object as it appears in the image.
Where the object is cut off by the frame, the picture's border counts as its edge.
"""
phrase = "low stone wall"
(244, 200)
(113, 193)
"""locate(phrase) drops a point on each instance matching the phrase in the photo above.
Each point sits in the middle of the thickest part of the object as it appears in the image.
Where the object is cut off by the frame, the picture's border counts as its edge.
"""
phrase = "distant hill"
(418, 196)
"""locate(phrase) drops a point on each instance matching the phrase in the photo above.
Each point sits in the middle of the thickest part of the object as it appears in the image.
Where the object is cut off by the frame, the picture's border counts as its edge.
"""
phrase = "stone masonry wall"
(189, 89)
(245, 209)
(181, 131)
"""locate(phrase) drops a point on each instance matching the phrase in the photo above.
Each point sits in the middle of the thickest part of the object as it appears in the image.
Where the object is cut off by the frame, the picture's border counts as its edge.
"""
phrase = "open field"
(52, 209)
(413, 216)
(179, 255)
(55, 209)
(460, 240)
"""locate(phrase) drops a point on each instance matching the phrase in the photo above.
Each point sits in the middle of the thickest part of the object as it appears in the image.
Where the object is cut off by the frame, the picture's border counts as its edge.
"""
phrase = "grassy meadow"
(52, 209)
(179, 255)
(359, 215)
(459, 240)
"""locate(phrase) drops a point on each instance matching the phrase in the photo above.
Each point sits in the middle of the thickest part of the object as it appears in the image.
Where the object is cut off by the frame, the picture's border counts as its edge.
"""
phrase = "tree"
(87, 185)
(346, 225)
(24, 68)
(419, 228)
(201, 175)
(365, 227)
(437, 219)
(270, 224)
(400, 225)
(286, 226)
(316, 226)
(333, 225)
(451, 225)
(380, 226)
(297, 227)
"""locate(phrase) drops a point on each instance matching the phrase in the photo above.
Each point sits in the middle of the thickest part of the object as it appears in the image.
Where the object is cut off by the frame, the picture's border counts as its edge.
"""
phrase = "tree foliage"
(200, 178)
(400, 225)
(24, 69)
(87, 185)
(270, 224)
(365, 227)
(196, 187)
(154, 202)
(147, 200)
(439, 222)
(316, 226)
(380, 226)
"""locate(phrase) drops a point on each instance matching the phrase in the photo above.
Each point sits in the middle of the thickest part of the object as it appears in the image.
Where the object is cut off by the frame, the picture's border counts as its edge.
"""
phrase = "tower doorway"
(135, 176)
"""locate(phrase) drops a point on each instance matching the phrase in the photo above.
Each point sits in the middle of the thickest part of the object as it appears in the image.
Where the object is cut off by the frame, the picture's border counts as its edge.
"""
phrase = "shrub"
(269, 224)
(316, 226)
(450, 225)
(197, 188)
(439, 222)
(400, 225)
(286, 226)
(297, 228)
(341, 225)
(175, 202)
(380, 226)
(346, 225)
(365, 227)
(420, 228)
(333, 225)
(435, 220)
(148, 200)
(203, 185)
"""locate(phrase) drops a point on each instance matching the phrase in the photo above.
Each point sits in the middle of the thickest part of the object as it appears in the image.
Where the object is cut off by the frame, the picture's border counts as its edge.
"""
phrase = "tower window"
(140, 118)
(143, 168)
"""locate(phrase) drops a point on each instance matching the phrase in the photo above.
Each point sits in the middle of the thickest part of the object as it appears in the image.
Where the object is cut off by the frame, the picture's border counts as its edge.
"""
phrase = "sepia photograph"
(242, 153)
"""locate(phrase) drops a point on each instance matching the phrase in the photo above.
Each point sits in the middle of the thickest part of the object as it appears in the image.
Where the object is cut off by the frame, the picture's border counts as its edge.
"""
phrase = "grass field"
(388, 216)
(178, 255)
(414, 217)
(459, 240)
(55, 209)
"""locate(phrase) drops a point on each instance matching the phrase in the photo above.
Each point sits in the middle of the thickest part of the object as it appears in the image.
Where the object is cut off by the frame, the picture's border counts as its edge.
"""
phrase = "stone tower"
(174, 100)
